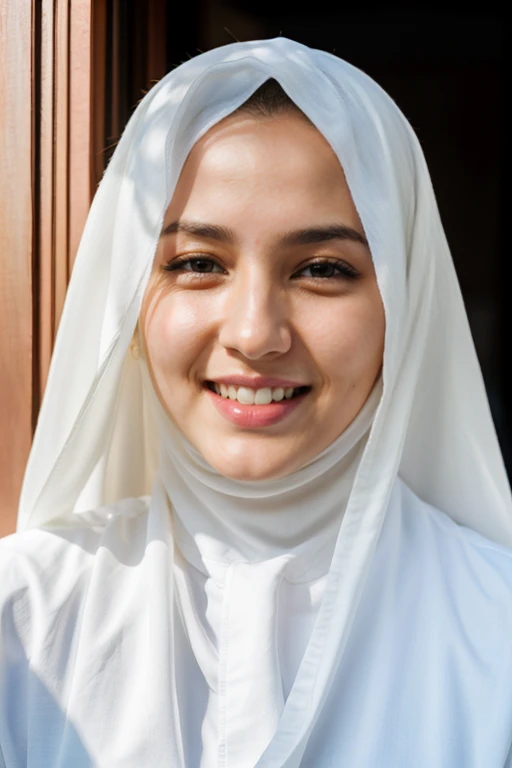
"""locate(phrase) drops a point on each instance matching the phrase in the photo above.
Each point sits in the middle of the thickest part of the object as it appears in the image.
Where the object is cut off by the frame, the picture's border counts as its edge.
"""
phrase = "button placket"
(250, 687)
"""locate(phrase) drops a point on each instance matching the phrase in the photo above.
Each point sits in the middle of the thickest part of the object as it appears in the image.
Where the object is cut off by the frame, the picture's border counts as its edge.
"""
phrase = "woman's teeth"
(247, 396)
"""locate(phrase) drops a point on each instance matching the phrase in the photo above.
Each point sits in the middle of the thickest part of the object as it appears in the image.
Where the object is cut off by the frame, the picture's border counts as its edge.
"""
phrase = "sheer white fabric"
(112, 611)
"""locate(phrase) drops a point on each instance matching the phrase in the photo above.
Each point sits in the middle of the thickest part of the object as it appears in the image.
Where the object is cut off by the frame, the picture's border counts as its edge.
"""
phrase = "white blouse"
(88, 664)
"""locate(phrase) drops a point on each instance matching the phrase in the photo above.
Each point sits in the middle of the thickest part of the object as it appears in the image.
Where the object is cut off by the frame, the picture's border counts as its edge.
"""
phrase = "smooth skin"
(279, 283)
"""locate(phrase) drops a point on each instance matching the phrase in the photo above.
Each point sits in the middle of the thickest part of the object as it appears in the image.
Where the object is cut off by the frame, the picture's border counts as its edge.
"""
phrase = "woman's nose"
(254, 320)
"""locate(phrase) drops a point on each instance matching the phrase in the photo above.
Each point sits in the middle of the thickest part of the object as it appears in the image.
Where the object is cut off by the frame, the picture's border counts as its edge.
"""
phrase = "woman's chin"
(250, 465)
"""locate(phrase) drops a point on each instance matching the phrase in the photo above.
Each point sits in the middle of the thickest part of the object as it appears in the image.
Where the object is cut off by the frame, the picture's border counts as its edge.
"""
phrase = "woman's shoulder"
(461, 552)
(84, 534)
(46, 567)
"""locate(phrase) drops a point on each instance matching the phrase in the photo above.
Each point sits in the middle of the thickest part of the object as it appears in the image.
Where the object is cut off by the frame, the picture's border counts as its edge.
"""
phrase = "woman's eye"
(326, 269)
(204, 265)
(199, 264)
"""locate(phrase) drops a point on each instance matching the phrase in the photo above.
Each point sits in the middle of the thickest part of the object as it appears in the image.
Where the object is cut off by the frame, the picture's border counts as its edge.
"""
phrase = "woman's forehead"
(269, 172)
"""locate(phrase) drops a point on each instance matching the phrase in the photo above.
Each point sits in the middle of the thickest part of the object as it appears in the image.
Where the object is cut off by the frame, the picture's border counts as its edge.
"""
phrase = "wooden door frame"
(16, 249)
(57, 58)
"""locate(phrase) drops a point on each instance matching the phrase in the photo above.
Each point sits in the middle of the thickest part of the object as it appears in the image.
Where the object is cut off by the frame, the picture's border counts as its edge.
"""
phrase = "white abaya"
(355, 613)
(89, 677)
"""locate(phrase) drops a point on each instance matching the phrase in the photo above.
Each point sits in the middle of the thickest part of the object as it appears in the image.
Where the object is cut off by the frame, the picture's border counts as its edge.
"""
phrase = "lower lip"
(253, 416)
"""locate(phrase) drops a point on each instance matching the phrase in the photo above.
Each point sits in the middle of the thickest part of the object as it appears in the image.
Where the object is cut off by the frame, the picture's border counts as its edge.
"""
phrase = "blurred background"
(71, 73)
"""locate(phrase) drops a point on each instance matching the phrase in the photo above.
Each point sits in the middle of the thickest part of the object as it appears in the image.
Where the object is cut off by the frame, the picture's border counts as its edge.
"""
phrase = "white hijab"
(96, 439)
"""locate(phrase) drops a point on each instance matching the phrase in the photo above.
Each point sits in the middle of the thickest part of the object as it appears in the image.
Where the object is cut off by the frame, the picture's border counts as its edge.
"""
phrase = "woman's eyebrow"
(307, 236)
(313, 235)
(200, 229)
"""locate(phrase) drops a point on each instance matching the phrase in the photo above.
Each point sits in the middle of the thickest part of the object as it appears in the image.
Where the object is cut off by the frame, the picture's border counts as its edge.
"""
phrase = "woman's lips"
(254, 416)
(255, 382)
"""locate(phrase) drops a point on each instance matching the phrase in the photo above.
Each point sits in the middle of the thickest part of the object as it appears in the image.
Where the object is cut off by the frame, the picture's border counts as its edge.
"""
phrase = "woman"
(265, 520)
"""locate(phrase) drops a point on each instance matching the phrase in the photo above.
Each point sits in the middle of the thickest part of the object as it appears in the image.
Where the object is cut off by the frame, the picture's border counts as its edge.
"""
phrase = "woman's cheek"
(180, 331)
(345, 346)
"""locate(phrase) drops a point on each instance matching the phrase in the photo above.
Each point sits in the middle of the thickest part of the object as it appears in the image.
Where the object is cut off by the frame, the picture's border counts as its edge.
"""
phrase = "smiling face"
(263, 289)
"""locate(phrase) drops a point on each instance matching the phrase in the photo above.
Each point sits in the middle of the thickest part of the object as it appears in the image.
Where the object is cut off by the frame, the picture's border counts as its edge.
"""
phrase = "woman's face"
(262, 286)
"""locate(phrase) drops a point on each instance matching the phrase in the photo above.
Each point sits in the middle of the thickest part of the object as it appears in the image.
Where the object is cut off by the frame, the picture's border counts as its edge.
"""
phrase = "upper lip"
(256, 382)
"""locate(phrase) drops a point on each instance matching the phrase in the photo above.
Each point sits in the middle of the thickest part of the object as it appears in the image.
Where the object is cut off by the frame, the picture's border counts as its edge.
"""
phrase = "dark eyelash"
(176, 264)
(345, 271)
